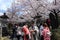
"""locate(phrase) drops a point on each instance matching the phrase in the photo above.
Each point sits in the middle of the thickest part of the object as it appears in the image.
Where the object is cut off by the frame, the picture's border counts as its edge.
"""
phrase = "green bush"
(55, 34)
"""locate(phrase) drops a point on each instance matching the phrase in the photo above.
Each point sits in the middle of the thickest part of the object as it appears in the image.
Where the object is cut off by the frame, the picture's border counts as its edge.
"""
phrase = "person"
(46, 32)
(48, 22)
(14, 32)
(41, 30)
(34, 31)
(26, 32)
(18, 32)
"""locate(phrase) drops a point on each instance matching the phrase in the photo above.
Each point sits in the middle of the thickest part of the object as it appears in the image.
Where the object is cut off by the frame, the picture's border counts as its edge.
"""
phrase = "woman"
(26, 32)
(46, 32)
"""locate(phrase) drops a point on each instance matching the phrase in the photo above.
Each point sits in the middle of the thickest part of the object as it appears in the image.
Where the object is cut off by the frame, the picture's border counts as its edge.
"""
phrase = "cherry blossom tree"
(29, 8)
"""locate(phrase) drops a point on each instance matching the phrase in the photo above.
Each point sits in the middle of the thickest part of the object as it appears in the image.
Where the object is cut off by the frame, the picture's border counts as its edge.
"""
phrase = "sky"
(4, 4)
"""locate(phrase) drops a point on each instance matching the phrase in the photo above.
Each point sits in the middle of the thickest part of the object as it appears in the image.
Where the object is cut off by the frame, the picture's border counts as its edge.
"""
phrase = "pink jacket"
(46, 33)
(26, 31)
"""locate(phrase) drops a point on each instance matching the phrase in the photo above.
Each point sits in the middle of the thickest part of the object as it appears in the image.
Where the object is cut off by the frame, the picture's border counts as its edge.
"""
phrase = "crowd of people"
(30, 31)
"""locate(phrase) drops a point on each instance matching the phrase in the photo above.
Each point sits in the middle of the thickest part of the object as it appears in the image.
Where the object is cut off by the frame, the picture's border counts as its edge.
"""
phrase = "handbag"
(49, 33)
(27, 36)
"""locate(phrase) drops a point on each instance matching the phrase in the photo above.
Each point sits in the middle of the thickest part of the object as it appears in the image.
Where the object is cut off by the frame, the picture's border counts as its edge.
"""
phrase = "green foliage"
(56, 34)
(10, 28)
(53, 37)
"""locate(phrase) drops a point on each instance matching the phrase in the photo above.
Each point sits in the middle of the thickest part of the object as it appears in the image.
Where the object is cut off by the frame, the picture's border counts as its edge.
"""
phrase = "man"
(48, 22)
(41, 30)
(14, 32)
(18, 32)
(34, 31)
